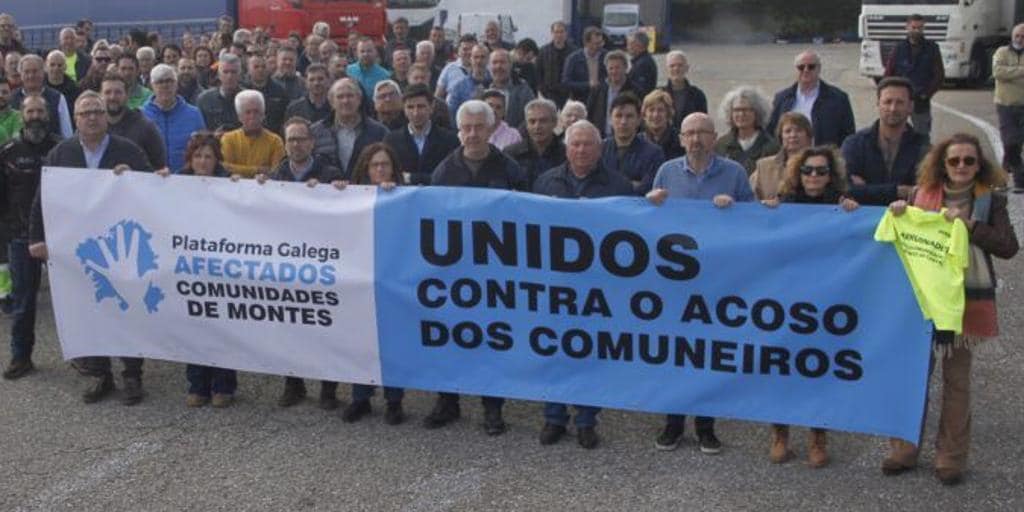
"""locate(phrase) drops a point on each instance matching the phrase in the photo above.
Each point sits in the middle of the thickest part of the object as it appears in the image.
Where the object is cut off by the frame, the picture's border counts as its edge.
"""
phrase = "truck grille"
(894, 27)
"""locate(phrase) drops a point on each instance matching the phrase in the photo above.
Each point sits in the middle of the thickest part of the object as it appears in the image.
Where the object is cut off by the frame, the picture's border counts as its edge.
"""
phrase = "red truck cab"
(279, 17)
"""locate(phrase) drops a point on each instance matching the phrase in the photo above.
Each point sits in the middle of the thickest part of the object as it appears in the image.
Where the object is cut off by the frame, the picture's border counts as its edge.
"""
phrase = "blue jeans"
(204, 380)
(361, 392)
(25, 277)
(558, 414)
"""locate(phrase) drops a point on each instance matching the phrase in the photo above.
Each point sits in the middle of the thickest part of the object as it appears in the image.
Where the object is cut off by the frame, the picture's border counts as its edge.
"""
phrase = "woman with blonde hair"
(658, 112)
(795, 133)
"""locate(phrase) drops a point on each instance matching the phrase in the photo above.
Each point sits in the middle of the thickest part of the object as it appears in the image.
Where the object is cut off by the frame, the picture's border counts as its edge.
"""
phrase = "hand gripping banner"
(794, 315)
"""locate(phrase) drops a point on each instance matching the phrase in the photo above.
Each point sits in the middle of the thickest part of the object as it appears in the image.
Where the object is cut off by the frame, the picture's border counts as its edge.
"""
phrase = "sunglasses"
(955, 161)
(815, 170)
(806, 67)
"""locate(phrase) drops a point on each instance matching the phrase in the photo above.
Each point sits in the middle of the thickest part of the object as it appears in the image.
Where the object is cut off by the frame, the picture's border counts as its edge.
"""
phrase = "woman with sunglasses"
(957, 177)
(813, 176)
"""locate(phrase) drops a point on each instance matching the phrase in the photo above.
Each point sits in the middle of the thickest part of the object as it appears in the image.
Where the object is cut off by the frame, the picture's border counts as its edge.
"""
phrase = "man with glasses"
(881, 160)
(387, 104)
(175, 118)
(700, 174)
(93, 147)
(826, 106)
(301, 164)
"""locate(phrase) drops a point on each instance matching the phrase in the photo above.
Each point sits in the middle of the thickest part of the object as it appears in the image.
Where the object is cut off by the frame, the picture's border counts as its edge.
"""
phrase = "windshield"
(910, 2)
(619, 19)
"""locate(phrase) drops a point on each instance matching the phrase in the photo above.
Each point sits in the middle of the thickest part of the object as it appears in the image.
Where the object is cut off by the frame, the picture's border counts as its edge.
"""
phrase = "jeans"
(204, 380)
(362, 392)
(700, 423)
(558, 414)
(25, 277)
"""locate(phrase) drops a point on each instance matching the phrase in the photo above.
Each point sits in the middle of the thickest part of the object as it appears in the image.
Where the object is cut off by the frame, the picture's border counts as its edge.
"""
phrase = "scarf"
(980, 318)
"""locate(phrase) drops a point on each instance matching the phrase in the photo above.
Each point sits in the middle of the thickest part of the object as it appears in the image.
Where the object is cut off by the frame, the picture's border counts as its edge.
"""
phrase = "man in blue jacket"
(175, 118)
(584, 68)
(881, 160)
(920, 61)
(827, 106)
(625, 152)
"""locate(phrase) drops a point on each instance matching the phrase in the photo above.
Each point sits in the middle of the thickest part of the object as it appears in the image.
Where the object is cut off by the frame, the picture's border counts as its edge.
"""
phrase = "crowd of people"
(555, 120)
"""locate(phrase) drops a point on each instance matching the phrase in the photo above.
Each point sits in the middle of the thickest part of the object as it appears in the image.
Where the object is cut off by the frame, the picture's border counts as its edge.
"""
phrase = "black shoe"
(18, 369)
(494, 425)
(670, 437)
(709, 444)
(445, 411)
(328, 401)
(98, 389)
(132, 391)
(293, 394)
(551, 433)
(393, 415)
(586, 437)
(355, 411)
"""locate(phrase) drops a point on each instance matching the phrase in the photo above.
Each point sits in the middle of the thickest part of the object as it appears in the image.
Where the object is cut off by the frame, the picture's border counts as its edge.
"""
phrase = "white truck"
(967, 32)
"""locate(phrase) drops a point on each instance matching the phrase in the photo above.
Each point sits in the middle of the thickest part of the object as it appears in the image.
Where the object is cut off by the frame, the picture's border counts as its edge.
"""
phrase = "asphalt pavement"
(58, 454)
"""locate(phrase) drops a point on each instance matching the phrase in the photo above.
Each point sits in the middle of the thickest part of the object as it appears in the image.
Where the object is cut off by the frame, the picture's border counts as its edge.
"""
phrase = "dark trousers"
(100, 367)
(1011, 131)
(204, 380)
(362, 392)
(488, 401)
(326, 387)
(700, 423)
(25, 277)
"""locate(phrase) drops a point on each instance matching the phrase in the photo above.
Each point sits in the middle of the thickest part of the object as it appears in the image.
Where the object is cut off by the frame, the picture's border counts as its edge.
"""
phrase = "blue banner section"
(793, 315)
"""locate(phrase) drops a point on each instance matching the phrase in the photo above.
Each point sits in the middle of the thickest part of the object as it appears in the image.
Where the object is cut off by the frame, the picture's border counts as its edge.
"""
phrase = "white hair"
(246, 96)
(542, 104)
(347, 83)
(585, 125)
(425, 44)
(242, 35)
(322, 29)
(812, 53)
(162, 72)
(55, 54)
(387, 83)
(475, 108)
(145, 50)
(575, 105)
(25, 59)
(677, 54)
(751, 95)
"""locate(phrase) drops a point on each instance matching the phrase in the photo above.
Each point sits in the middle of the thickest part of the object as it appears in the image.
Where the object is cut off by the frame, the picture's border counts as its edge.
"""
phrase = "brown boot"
(780, 451)
(902, 457)
(817, 453)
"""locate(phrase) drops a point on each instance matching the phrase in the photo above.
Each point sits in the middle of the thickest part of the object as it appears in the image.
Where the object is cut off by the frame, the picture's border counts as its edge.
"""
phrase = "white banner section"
(274, 278)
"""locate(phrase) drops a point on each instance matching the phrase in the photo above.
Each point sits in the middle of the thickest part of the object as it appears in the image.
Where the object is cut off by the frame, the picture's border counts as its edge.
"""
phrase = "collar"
(426, 129)
(99, 149)
(711, 170)
(814, 92)
(303, 171)
(598, 174)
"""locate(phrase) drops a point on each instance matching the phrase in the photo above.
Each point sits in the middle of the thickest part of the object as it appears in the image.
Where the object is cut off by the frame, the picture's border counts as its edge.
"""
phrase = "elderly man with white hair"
(476, 164)
(78, 61)
(686, 97)
(174, 117)
(33, 83)
(57, 77)
(827, 106)
(342, 137)
(147, 59)
(251, 149)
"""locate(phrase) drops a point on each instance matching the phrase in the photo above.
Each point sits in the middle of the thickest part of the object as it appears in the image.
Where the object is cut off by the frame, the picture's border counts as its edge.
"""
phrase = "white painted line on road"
(58, 494)
(990, 131)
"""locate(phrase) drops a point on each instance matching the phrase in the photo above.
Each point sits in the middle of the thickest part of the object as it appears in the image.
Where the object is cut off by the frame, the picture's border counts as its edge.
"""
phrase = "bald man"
(827, 106)
(78, 61)
(1008, 72)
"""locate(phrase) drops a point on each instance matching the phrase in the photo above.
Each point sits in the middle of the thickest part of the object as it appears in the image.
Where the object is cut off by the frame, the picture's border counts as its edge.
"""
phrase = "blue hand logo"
(118, 264)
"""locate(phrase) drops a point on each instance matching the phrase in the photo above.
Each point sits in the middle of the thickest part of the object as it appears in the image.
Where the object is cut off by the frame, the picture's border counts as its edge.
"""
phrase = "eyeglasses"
(297, 139)
(815, 170)
(955, 161)
(90, 113)
(742, 110)
(806, 67)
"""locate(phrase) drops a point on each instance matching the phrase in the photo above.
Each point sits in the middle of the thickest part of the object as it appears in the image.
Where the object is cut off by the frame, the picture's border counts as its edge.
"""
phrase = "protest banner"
(793, 315)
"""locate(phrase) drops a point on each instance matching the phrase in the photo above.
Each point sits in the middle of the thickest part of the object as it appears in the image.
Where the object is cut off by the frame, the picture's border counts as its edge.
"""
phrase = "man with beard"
(881, 160)
(21, 161)
(130, 123)
(312, 107)
(188, 81)
(920, 61)
(274, 95)
(128, 66)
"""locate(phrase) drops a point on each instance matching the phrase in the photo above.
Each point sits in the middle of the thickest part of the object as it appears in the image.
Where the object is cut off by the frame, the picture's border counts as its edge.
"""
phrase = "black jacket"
(597, 104)
(218, 112)
(305, 109)
(137, 128)
(21, 163)
(832, 114)
(439, 144)
(69, 153)
(322, 171)
(864, 158)
(643, 72)
(497, 171)
(532, 163)
(550, 63)
(601, 182)
(688, 100)
(326, 141)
